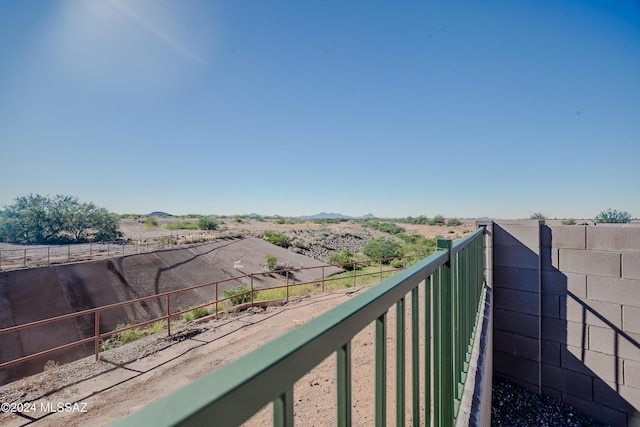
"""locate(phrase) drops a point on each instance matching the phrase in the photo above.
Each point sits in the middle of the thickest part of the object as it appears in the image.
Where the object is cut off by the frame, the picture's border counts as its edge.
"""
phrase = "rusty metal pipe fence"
(166, 297)
(40, 255)
(453, 287)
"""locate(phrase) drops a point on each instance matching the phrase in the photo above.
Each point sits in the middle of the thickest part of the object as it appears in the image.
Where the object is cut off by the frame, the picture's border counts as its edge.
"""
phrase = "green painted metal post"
(344, 385)
(427, 352)
(437, 349)
(446, 331)
(283, 410)
(415, 355)
(400, 368)
(381, 371)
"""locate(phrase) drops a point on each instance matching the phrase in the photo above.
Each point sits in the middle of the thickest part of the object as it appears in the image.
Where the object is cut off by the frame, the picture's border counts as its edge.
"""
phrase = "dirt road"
(126, 379)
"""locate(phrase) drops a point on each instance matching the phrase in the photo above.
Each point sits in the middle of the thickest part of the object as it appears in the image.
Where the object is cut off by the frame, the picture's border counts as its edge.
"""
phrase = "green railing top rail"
(232, 393)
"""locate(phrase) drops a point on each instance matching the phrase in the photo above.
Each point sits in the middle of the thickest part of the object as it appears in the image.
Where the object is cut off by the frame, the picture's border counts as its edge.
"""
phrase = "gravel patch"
(515, 405)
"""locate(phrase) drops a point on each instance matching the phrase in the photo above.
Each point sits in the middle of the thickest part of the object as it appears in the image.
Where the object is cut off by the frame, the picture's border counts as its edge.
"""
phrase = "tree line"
(60, 219)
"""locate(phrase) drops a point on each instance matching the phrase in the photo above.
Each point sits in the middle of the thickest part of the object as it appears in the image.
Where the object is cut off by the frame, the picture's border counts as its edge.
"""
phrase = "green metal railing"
(453, 286)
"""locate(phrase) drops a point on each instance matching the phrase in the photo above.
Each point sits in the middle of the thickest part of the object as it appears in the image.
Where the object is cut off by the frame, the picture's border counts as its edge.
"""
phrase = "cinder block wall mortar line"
(620, 276)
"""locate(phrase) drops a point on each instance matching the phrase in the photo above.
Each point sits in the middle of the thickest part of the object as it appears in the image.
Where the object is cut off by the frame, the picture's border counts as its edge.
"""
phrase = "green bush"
(196, 313)
(613, 216)
(386, 227)
(270, 262)
(419, 220)
(381, 248)
(151, 222)
(417, 244)
(538, 215)
(207, 223)
(437, 220)
(454, 222)
(277, 239)
(59, 219)
(569, 221)
(397, 263)
(239, 295)
(182, 225)
(121, 338)
(343, 258)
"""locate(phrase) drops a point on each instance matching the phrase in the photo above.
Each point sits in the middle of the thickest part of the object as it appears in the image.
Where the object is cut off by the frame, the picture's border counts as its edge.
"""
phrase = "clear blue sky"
(396, 108)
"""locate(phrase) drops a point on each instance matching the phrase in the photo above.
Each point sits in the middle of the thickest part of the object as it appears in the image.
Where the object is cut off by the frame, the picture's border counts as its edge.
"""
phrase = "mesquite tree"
(60, 219)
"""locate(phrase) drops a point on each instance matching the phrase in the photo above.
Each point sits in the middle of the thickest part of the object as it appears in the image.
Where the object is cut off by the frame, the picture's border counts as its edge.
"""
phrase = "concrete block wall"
(517, 302)
(567, 314)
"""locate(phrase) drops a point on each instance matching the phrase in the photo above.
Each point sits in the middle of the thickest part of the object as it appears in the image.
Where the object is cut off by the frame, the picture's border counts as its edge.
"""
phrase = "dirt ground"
(132, 376)
(135, 229)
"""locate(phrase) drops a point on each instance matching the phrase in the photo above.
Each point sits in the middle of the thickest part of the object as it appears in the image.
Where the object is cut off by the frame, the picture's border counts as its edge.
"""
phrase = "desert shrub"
(270, 262)
(453, 222)
(386, 227)
(613, 216)
(538, 215)
(569, 221)
(239, 295)
(381, 248)
(343, 258)
(279, 221)
(417, 244)
(123, 337)
(182, 225)
(277, 239)
(59, 219)
(419, 220)
(437, 220)
(207, 223)
(284, 266)
(300, 243)
(329, 220)
(397, 263)
(196, 313)
(158, 326)
(151, 222)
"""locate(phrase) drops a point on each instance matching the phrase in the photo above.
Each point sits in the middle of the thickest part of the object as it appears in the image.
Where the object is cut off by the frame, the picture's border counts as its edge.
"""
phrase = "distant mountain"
(333, 215)
(159, 213)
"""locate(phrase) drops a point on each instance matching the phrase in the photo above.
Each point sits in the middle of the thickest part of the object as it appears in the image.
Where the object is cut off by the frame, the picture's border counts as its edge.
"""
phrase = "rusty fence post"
(97, 333)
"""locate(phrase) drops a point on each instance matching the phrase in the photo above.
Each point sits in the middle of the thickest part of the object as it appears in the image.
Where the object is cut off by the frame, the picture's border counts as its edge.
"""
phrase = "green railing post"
(446, 339)
(283, 410)
(381, 371)
(344, 385)
(400, 371)
(427, 352)
(437, 349)
(415, 356)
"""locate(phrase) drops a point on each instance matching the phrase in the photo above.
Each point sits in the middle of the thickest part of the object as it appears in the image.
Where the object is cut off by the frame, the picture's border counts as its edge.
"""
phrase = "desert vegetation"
(613, 216)
(60, 219)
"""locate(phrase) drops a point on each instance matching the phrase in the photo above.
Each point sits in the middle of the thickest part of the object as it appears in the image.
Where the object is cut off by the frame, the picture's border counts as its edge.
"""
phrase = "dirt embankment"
(30, 295)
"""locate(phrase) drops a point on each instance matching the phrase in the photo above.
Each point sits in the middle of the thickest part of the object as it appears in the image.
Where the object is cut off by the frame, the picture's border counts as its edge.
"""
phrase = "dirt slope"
(134, 375)
(39, 293)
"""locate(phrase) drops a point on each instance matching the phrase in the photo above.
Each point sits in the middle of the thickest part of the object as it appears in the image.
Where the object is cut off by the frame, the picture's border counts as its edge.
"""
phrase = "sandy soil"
(143, 238)
(132, 376)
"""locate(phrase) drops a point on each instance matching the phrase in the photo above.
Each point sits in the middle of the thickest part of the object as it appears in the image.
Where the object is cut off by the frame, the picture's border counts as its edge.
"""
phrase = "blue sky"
(466, 108)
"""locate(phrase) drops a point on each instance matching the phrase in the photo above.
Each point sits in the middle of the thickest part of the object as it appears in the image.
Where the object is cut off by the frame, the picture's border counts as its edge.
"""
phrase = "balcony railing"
(452, 294)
